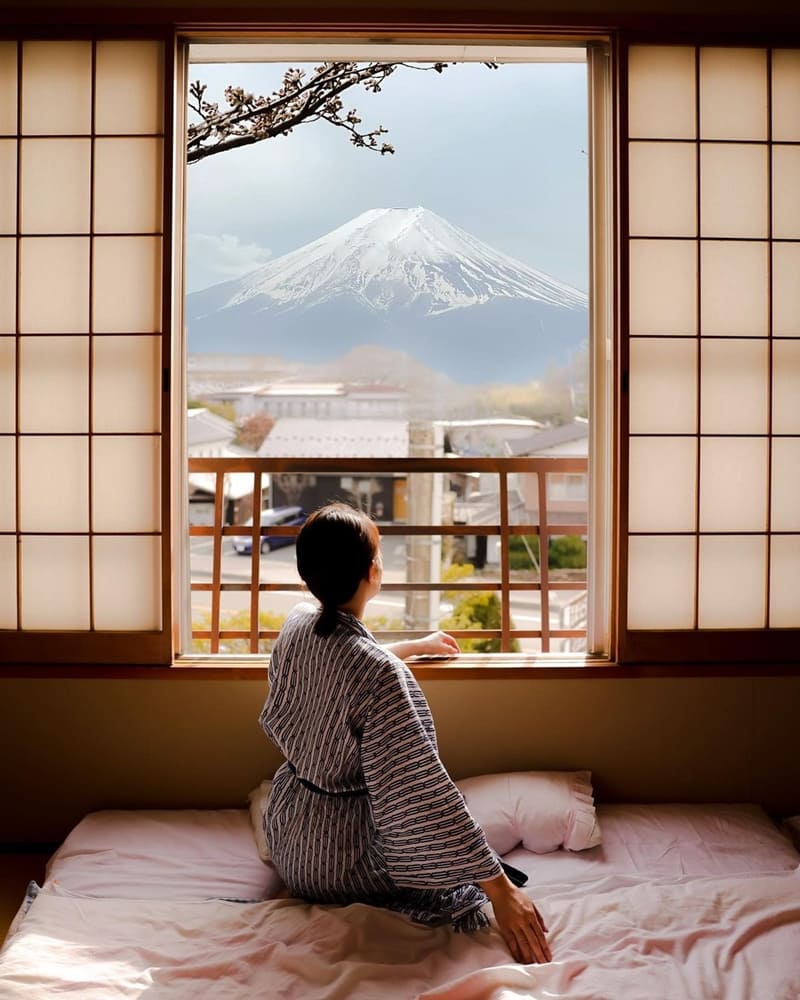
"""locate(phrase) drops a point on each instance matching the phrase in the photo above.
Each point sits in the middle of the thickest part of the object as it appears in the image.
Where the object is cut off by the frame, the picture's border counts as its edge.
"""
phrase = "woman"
(363, 809)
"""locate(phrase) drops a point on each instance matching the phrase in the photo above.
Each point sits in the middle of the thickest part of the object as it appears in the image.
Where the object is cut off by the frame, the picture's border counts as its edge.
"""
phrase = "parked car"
(269, 516)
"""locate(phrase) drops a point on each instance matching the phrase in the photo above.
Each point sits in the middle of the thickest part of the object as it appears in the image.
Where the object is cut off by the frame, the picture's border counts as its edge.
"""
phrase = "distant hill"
(400, 279)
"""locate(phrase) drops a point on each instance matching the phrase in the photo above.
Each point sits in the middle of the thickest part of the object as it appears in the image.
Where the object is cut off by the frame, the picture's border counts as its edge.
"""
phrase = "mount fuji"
(402, 279)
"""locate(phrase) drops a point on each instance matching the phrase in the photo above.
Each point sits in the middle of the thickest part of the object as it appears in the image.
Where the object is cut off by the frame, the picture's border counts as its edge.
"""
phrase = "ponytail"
(326, 622)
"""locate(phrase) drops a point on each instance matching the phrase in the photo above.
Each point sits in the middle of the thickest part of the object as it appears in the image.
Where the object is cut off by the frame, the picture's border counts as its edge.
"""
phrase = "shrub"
(477, 610)
(565, 552)
(239, 620)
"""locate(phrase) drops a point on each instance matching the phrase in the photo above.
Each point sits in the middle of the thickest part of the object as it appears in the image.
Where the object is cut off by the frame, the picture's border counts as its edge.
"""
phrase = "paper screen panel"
(55, 185)
(733, 484)
(8, 88)
(125, 483)
(8, 186)
(126, 384)
(785, 493)
(53, 385)
(661, 582)
(663, 184)
(662, 92)
(732, 588)
(8, 580)
(55, 582)
(129, 598)
(785, 90)
(127, 185)
(733, 190)
(127, 284)
(733, 93)
(8, 286)
(56, 94)
(784, 564)
(663, 287)
(129, 88)
(663, 385)
(786, 387)
(62, 461)
(8, 389)
(734, 370)
(8, 483)
(663, 484)
(734, 283)
(54, 284)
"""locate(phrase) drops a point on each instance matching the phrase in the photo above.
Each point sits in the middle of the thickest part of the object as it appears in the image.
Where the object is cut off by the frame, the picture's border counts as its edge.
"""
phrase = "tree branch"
(299, 100)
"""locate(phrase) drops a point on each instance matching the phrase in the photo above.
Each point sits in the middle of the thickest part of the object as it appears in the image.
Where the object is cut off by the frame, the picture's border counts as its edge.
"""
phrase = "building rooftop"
(567, 440)
(306, 437)
(205, 427)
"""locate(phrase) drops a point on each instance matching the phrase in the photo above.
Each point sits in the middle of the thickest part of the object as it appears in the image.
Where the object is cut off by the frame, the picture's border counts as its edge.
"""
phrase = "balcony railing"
(523, 504)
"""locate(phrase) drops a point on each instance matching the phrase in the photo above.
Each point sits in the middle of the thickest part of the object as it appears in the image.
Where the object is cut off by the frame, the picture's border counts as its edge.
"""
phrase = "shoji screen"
(81, 322)
(713, 208)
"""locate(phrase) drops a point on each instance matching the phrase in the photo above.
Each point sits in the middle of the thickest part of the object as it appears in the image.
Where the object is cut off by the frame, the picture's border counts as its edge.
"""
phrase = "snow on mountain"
(396, 278)
(389, 258)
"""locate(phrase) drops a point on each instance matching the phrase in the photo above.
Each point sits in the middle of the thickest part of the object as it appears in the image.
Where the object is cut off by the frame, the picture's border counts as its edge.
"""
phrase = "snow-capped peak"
(389, 258)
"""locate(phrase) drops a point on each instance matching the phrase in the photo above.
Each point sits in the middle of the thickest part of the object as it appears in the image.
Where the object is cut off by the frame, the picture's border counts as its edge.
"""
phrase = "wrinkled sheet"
(706, 938)
(204, 853)
(164, 854)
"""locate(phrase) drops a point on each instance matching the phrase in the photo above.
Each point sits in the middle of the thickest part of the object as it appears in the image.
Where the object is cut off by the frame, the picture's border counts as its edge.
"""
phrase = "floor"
(16, 871)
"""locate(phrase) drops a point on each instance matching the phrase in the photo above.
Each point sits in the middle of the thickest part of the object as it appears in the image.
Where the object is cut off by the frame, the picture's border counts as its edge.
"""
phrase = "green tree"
(480, 609)
(564, 552)
(477, 610)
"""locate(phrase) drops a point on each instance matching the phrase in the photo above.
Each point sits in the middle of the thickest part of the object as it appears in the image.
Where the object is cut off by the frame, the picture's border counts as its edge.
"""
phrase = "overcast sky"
(500, 153)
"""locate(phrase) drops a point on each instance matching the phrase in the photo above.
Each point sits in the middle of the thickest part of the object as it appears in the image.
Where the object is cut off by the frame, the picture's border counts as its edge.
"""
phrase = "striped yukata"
(363, 810)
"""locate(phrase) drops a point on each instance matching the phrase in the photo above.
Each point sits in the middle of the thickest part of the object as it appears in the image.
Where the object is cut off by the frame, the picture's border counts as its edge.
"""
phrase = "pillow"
(792, 827)
(258, 804)
(542, 810)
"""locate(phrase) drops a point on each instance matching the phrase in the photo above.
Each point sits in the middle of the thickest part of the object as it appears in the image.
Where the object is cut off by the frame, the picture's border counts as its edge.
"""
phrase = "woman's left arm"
(436, 644)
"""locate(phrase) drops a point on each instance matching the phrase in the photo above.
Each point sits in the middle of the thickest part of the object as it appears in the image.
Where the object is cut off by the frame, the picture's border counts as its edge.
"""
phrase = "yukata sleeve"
(428, 837)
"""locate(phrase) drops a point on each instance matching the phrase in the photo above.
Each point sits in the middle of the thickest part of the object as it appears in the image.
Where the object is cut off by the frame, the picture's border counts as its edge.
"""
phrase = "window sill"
(483, 667)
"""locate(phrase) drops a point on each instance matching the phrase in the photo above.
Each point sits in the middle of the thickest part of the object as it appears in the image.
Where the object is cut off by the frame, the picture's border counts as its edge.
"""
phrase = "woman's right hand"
(518, 920)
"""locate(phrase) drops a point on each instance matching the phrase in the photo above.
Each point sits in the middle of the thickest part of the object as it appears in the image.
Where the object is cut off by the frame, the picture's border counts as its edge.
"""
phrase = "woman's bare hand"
(437, 644)
(518, 920)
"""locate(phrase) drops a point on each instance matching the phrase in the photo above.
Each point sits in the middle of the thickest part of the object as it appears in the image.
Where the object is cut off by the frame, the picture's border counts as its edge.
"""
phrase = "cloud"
(212, 259)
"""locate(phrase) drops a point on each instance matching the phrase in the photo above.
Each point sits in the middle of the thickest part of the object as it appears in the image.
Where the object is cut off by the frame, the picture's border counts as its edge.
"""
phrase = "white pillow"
(258, 804)
(792, 827)
(543, 810)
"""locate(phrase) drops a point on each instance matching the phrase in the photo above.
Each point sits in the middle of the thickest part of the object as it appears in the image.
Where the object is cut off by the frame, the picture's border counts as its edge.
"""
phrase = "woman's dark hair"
(335, 549)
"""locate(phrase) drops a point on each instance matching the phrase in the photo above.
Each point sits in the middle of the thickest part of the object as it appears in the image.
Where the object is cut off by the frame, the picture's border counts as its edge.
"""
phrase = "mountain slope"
(402, 278)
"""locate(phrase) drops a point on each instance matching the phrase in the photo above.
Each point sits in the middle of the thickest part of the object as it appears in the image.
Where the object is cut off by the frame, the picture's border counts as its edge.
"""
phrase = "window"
(706, 425)
(478, 382)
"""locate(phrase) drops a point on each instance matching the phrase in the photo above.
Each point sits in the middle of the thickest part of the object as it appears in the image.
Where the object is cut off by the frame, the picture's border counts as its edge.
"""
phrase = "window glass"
(391, 286)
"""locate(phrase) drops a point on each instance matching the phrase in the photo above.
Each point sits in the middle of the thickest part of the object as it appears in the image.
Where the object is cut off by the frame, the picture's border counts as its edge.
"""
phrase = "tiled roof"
(313, 438)
(204, 427)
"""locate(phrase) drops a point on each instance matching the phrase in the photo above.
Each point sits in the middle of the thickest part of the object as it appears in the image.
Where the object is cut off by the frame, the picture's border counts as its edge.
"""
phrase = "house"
(94, 714)
(322, 400)
(209, 435)
(568, 492)
(382, 497)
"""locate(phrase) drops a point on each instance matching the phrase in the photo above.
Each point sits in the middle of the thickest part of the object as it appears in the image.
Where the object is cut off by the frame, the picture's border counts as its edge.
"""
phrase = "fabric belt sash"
(350, 793)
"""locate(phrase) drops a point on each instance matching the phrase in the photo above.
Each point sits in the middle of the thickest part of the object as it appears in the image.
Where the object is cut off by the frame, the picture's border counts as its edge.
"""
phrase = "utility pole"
(424, 552)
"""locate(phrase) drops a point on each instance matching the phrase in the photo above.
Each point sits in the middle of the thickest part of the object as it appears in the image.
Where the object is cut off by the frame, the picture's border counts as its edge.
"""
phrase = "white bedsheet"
(708, 938)
(679, 903)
